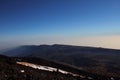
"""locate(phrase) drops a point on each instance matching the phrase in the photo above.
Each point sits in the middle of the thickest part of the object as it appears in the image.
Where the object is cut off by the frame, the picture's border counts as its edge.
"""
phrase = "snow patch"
(46, 68)
(22, 71)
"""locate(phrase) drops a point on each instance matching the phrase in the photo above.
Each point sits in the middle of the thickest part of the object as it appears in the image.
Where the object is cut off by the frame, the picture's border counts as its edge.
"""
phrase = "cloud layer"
(107, 41)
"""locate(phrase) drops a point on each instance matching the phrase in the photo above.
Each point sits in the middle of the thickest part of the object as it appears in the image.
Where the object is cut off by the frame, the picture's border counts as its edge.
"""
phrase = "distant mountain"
(96, 60)
(56, 49)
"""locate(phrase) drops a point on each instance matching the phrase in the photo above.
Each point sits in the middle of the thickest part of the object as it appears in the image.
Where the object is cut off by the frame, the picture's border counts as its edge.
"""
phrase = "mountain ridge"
(24, 48)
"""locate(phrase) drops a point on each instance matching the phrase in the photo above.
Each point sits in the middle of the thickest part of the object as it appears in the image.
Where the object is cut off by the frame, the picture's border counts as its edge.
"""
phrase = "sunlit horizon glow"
(73, 22)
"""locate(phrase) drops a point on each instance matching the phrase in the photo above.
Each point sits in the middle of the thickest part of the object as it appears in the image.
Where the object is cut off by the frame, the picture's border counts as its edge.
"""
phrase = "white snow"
(46, 68)
(112, 78)
(90, 78)
(37, 66)
(22, 71)
(82, 76)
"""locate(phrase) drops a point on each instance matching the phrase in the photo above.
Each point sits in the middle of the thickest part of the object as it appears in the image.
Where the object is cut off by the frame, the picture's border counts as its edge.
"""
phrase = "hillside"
(40, 69)
(91, 59)
(11, 70)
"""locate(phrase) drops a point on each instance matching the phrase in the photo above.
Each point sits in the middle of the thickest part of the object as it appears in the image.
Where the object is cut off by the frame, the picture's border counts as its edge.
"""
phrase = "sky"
(74, 22)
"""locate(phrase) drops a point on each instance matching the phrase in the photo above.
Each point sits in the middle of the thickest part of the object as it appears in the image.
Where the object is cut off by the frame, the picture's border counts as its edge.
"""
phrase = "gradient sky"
(75, 22)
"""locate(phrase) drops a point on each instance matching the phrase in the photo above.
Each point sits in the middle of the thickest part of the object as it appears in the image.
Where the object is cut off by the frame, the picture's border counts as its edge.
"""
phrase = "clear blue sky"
(25, 19)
